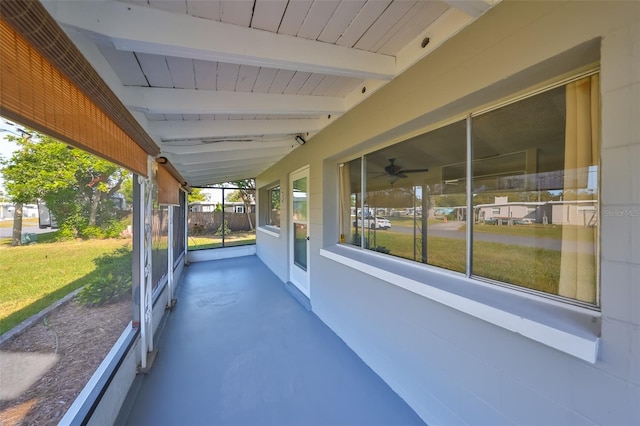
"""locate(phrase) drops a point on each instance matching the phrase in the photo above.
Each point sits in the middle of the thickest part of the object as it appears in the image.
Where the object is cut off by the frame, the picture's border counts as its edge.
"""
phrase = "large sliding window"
(533, 200)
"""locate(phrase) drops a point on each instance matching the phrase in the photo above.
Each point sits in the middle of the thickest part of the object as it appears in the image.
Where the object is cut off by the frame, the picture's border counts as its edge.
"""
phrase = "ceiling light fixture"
(300, 140)
(393, 179)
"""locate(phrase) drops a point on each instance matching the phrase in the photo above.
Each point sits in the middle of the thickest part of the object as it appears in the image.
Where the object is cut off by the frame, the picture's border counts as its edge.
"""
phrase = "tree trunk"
(95, 203)
(249, 219)
(16, 239)
(247, 210)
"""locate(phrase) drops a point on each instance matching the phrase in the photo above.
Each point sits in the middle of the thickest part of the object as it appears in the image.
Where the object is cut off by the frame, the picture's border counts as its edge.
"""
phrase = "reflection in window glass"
(159, 244)
(178, 228)
(414, 204)
(300, 199)
(300, 245)
(534, 194)
(350, 201)
(535, 191)
(412, 208)
(273, 207)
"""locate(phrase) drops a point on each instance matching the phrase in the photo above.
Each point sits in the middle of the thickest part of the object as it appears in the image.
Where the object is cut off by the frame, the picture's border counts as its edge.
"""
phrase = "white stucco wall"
(451, 367)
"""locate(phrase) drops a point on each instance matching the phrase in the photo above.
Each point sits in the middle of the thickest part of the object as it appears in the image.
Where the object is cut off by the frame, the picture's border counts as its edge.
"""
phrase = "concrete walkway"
(240, 350)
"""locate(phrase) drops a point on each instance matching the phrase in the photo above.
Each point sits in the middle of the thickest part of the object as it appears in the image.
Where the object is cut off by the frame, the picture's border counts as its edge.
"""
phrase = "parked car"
(524, 221)
(372, 222)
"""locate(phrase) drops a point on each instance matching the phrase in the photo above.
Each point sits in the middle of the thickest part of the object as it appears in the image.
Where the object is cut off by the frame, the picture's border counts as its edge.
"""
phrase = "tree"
(246, 193)
(75, 185)
(197, 195)
(127, 190)
(22, 182)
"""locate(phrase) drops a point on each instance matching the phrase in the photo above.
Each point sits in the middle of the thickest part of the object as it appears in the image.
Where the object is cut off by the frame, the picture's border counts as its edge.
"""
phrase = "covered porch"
(239, 349)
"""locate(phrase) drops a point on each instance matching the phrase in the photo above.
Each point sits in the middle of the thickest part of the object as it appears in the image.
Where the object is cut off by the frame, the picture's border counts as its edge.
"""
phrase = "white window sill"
(270, 230)
(567, 328)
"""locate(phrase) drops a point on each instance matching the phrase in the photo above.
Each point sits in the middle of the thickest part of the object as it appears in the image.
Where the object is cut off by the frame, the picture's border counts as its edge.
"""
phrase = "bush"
(66, 233)
(104, 290)
(224, 228)
(115, 228)
(197, 229)
(111, 280)
(91, 232)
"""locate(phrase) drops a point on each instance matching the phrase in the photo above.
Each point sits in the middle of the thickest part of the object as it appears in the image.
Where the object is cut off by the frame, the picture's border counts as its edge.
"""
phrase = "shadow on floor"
(240, 350)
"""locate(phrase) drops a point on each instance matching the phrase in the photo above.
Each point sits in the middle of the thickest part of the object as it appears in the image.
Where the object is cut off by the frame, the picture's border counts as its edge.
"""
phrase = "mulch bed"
(81, 337)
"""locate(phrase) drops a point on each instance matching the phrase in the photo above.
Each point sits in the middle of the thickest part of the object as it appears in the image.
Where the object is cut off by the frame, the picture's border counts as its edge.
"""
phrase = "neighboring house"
(229, 207)
(7, 210)
(580, 212)
(238, 207)
(202, 207)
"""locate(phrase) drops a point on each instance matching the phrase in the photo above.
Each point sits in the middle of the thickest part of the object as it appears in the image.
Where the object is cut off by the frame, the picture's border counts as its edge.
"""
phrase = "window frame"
(594, 307)
(265, 209)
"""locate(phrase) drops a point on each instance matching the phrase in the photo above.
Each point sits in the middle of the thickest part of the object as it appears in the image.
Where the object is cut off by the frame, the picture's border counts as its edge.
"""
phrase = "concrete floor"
(240, 350)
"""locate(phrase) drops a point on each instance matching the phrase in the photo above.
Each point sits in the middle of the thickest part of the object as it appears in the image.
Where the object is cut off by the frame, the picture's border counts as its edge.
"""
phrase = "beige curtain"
(345, 203)
(579, 266)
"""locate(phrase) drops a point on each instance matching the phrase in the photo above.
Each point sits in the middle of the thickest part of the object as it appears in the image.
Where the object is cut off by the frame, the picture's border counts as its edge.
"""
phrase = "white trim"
(269, 230)
(73, 411)
(569, 329)
(132, 28)
(537, 91)
(298, 277)
(159, 100)
(220, 253)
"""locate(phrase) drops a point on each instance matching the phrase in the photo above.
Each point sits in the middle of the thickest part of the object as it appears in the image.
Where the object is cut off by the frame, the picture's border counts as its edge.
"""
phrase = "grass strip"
(34, 276)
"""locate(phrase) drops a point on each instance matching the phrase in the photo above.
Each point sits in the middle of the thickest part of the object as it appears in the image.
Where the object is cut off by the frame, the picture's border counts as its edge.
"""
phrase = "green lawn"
(35, 276)
(407, 221)
(530, 267)
(30, 221)
(215, 241)
(579, 233)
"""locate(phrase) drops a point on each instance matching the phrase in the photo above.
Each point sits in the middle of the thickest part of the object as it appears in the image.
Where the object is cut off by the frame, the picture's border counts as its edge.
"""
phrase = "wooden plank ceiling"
(224, 86)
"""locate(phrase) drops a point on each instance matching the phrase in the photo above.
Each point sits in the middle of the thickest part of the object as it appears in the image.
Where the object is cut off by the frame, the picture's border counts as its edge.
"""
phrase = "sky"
(6, 147)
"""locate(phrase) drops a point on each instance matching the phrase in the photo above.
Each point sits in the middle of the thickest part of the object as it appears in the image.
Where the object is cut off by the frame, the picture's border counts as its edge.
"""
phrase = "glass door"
(299, 235)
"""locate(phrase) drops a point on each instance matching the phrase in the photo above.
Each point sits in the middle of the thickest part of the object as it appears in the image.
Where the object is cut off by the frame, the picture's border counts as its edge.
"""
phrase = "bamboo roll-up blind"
(46, 84)
(168, 187)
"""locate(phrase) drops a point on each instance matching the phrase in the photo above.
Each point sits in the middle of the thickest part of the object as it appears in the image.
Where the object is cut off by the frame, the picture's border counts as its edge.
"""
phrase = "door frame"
(298, 277)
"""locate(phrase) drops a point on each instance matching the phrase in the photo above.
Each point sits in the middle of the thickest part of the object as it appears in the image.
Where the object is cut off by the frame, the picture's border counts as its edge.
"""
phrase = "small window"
(273, 207)
(270, 200)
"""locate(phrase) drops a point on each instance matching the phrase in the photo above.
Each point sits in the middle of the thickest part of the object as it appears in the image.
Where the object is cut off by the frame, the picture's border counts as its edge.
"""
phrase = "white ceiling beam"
(472, 8)
(218, 172)
(190, 101)
(196, 170)
(212, 180)
(240, 169)
(171, 130)
(203, 148)
(213, 158)
(147, 30)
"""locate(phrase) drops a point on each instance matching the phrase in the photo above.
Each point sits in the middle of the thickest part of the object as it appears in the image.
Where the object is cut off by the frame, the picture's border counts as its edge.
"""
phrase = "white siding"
(449, 366)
